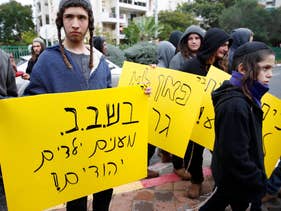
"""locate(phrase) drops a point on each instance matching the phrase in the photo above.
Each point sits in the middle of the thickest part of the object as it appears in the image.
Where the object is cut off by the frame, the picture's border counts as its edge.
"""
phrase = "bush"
(142, 52)
(115, 55)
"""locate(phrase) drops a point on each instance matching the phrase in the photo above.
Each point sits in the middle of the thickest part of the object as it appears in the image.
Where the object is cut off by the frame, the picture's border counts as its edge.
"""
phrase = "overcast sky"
(23, 2)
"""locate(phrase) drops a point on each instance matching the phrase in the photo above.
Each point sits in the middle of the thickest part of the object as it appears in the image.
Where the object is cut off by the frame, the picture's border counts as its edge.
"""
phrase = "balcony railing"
(137, 3)
(111, 18)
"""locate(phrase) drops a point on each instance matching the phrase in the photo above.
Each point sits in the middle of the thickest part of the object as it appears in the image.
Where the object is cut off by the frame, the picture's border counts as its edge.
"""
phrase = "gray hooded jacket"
(165, 52)
(8, 86)
(178, 60)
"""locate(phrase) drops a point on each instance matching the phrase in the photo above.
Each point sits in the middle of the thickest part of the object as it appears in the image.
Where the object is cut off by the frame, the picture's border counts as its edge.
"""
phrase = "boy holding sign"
(238, 157)
(72, 66)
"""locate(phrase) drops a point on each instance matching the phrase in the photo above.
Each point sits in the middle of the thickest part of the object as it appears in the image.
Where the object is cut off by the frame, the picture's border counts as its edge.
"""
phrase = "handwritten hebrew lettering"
(61, 181)
(46, 155)
(209, 123)
(96, 115)
(75, 128)
(137, 79)
(201, 79)
(211, 85)
(275, 114)
(113, 113)
(84, 136)
(69, 178)
(130, 112)
(266, 108)
(110, 145)
(172, 89)
(167, 120)
(200, 114)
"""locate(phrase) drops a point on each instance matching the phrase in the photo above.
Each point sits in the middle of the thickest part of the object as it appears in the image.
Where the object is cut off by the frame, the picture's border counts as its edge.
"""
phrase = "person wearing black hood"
(100, 44)
(189, 45)
(213, 51)
(239, 37)
(238, 157)
(174, 38)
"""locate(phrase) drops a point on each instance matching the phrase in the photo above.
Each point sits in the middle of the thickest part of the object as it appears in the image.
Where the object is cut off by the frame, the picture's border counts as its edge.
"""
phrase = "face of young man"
(222, 50)
(265, 72)
(75, 22)
(193, 42)
(36, 46)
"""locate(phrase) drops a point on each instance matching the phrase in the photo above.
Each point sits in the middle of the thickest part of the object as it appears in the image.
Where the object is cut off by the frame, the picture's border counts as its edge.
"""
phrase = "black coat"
(238, 158)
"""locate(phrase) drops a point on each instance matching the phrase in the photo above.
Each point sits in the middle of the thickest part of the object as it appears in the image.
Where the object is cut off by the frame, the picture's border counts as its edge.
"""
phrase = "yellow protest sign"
(271, 107)
(174, 102)
(203, 131)
(58, 147)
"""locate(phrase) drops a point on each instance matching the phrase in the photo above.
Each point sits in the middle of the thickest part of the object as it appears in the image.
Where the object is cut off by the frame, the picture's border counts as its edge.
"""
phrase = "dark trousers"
(150, 152)
(101, 202)
(3, 203)
(219, 201)
(274, 182)
(193, 160)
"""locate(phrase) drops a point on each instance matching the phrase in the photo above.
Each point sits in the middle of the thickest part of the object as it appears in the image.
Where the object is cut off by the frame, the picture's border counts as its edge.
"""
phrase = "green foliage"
(277, 51)
(115, 55)
(231, 14)
(14, 20)
(28, 36)
(131, 33)
(142, 52)
(142, 29)
(174, 20)
(228, 3)
(246, 13)
(205, 9)
(274, 27)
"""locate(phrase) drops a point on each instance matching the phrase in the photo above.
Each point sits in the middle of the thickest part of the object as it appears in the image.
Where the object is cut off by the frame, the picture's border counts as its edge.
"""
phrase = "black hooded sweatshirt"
(238, 158)
(213, 39)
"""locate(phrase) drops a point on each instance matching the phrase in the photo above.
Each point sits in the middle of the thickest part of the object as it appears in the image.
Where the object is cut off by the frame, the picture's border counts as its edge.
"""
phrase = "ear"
(241, 69)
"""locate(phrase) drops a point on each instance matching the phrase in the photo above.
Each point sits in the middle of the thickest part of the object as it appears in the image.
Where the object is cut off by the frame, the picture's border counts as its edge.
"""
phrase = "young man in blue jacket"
(72, 66)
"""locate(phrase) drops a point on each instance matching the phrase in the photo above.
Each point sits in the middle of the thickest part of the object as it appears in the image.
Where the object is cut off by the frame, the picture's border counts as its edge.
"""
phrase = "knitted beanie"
(38, 39)
(250, 47)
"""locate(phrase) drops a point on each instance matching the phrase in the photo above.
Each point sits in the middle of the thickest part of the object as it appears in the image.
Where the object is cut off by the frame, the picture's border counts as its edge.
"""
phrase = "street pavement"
(275, 82)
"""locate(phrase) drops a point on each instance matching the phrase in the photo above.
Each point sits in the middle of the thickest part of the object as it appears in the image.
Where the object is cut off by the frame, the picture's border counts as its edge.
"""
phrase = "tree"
(274, 27)
(227, 3)
(28, 36)
(246, 13)
(14, 20)
(174, 20)
(142, 29)
(131, 33)
(204, 9)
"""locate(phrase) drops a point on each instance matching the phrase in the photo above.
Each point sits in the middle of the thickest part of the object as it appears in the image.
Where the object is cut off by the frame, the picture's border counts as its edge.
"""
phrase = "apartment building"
(111, 16)
(271, 3)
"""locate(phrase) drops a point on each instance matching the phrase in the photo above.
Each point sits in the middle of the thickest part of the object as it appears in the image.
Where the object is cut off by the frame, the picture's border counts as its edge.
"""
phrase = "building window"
(47, 19)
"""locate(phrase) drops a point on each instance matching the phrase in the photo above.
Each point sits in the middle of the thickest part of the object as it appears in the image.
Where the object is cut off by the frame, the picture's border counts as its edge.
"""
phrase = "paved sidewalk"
(164, 193)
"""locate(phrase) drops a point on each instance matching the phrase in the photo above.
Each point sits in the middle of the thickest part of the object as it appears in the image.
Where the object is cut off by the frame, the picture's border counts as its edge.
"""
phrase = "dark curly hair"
(64, 4)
